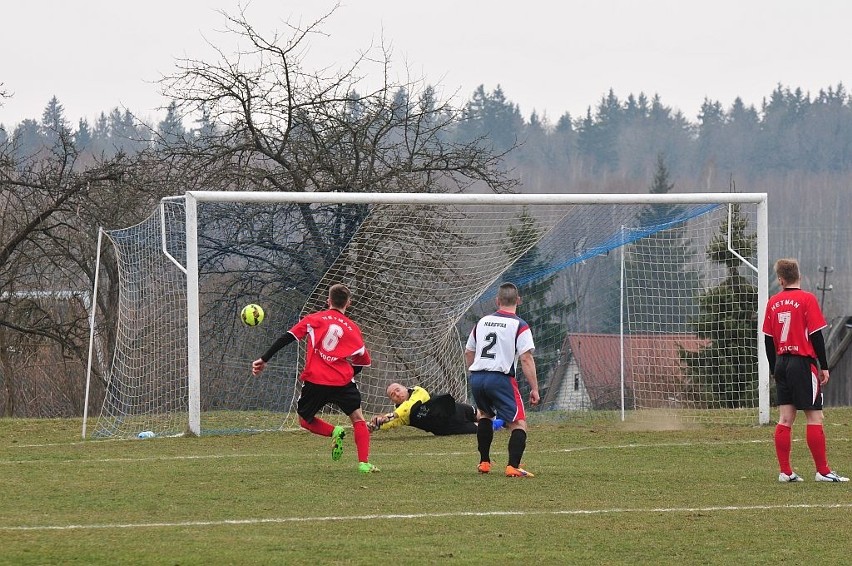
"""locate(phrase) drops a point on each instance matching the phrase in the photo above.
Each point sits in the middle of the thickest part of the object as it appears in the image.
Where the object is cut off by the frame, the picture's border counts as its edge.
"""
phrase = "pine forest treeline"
(797, 147)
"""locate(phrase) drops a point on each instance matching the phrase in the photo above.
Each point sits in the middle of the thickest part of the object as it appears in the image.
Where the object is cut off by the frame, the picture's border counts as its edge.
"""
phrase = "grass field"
(604, 493)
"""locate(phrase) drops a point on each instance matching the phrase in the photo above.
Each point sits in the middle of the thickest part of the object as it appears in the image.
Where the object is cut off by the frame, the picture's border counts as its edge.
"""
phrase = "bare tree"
(283, 127)
(51, 204)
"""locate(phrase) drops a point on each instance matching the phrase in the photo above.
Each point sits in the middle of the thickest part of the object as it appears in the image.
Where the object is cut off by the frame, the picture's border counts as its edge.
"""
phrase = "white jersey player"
(496, 345)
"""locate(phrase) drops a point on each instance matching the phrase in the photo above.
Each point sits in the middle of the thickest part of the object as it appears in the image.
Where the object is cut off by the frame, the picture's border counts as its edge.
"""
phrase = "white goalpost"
(641, 305)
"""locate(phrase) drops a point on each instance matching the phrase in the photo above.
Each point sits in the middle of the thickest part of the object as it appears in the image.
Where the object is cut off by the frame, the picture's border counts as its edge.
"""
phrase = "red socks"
(783, 446)
(815, 436)
(317, 426)
(362, 440)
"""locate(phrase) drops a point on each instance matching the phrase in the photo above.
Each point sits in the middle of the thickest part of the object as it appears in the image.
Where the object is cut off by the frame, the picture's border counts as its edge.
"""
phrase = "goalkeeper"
(441, 415)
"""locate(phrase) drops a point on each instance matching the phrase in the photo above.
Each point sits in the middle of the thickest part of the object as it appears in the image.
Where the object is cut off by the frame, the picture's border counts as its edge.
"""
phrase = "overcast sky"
(549, 56)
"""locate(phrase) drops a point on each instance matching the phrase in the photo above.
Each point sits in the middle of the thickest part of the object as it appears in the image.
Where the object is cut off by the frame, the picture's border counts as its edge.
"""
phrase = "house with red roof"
(589, 372)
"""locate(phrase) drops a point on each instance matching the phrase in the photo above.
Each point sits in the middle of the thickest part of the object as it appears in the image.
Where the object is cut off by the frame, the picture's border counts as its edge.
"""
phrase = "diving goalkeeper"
(441, 415)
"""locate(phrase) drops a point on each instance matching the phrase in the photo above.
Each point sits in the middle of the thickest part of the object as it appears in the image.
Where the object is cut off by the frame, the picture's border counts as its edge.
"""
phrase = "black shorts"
(314, 397)
(797, 382)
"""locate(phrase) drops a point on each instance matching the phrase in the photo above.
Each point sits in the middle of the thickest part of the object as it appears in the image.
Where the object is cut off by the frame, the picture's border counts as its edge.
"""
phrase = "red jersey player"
(335, 354)
(794, 345)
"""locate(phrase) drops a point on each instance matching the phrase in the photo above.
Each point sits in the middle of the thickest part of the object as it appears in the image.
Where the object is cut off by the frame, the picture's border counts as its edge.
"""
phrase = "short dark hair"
(507, 296)
(788, 270)
(339, 295)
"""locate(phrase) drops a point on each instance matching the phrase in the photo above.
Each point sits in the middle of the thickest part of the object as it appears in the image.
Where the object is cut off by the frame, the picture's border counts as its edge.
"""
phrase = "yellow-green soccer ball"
(252, 314)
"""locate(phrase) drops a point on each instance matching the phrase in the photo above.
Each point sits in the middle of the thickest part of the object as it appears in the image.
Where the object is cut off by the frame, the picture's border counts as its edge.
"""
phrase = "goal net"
(641, 306)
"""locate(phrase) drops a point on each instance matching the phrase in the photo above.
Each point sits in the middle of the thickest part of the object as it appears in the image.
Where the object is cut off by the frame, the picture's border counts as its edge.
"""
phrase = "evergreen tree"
(563, 138)
(726, 368)
(598, 134)
(667, 246)
(125, 134)
(206, 131)
(546, 319)
(493, 118)
(206, 125)
(711, 124)
(28, 138)
(100, 137)
(827, 131)
(740, 138)
(399, 107)
(170, 130)
(83, 135)
(54, 125)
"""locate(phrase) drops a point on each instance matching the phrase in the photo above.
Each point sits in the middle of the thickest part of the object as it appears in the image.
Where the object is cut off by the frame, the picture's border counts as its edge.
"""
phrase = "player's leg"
(462, 420)
(786, 418)
(815, 436)
(484, 431)
(311, 401)
(810, 401)
(517, 427)
(348, 399)
(506, 400)
(807, 395)
(466, 412)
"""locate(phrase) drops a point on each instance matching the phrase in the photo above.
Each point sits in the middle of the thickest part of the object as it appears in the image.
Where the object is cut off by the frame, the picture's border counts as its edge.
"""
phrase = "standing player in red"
(335, 355)
(794, 344)
(495, 346)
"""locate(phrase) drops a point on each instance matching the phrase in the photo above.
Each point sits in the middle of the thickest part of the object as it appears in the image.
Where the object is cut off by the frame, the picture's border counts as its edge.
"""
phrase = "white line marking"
(278, 520)
(409, 454)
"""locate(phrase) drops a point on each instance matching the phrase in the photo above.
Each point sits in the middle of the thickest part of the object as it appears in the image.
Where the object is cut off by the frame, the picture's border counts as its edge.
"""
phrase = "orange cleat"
(513, 472)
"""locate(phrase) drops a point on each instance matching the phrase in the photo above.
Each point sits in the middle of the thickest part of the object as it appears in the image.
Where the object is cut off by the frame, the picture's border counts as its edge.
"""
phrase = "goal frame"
(193, 198)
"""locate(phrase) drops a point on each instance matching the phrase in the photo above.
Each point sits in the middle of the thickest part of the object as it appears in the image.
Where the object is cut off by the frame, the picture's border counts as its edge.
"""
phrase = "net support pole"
(192, 318)
(621, 292)
(762, 298)
(92, 307)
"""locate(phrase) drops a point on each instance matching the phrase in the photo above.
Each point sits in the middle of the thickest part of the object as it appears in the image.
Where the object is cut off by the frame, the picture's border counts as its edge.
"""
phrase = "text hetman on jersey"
(785, 302)
(338, 320)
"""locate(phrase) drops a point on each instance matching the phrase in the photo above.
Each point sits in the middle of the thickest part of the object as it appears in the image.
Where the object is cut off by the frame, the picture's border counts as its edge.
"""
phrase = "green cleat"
(337, 443)
(367, 468)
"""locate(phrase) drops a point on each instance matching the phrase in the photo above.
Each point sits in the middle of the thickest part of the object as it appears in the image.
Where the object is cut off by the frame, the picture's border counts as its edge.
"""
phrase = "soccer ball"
(252, 314)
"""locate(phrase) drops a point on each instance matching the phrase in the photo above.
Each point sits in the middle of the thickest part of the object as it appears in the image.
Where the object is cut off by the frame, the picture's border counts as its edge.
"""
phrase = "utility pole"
(825, 271)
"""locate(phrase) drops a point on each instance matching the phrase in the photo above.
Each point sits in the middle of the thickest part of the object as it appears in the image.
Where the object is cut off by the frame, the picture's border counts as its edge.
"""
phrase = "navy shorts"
(797, 382)
(497, 394)
(314, 397)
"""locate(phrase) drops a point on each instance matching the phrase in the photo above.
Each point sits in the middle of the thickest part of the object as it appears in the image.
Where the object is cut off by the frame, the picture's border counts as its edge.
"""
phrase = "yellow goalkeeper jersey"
(402, 414)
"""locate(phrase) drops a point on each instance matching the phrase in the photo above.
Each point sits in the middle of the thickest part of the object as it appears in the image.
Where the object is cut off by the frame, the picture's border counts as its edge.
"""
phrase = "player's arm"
(361, 358)
(819, 347)
(528, 365)
(377, 421)
(470, 349)
(259, 364)
(769, 345)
